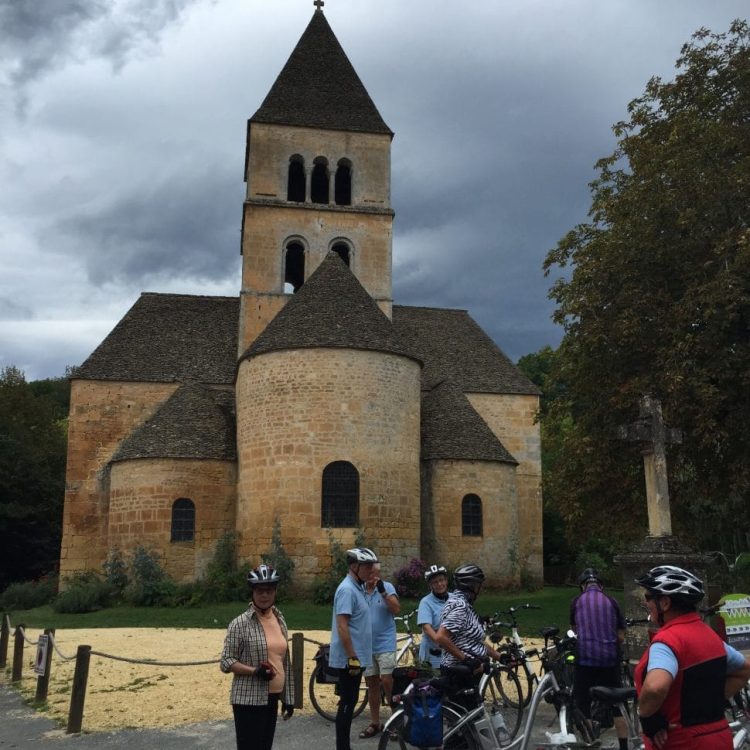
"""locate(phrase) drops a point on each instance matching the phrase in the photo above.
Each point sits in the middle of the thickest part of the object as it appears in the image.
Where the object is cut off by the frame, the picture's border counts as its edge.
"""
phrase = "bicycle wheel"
(325, 701)
(578, 725)
(395, 737)
(502, 694)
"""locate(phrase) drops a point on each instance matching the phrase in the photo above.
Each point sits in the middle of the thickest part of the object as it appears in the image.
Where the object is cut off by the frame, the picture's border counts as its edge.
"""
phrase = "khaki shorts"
(382, 664)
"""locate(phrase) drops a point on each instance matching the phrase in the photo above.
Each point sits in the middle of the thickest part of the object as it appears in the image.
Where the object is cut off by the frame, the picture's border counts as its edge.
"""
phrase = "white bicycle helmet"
(670, 580)
(435, 570)
(263, 574)
(360, 555)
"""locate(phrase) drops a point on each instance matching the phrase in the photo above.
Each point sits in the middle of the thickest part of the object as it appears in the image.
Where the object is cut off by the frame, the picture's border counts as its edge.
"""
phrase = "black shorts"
(588, 677)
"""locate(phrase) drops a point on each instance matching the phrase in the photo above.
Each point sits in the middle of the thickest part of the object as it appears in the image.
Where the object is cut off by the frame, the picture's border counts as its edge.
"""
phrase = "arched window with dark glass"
(340, 502)
(471, 515)
(294, 267)
(343, 185)
(343, 251)
(295, 190)
(183, 520)
(319, 180)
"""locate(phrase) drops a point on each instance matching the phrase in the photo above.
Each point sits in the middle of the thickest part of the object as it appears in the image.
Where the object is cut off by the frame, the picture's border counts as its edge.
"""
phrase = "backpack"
(424, 715)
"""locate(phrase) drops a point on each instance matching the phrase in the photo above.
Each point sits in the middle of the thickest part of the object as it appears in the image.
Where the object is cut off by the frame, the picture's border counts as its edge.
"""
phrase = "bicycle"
(411, 640)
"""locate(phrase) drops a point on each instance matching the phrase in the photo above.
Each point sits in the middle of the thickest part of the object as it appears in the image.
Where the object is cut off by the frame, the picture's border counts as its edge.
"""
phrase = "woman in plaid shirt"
(257, 654)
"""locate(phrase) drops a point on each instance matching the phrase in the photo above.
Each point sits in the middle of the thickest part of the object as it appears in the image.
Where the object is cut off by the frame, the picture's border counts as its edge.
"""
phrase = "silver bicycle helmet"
(670, 580)
(468, 577)
(263, 574)
(360, 555)
(435, 570)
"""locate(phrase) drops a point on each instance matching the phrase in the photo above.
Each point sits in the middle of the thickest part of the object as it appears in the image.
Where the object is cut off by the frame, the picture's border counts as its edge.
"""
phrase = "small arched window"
(294, 267)
(342, 250)
(319, 180)
(471, 515)
(340, 502)
(343, 186)
(295, 189)
(183, 520)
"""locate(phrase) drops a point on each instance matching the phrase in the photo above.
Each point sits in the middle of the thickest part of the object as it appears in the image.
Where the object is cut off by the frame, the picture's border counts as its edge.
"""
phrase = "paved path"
(21, 727)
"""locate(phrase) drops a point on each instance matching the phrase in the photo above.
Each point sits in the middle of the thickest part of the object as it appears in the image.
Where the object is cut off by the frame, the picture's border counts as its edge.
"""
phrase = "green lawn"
(300, 615)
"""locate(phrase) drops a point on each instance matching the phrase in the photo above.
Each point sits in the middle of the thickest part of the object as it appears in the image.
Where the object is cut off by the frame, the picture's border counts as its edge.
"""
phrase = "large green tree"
(656, 300)
(32, 474)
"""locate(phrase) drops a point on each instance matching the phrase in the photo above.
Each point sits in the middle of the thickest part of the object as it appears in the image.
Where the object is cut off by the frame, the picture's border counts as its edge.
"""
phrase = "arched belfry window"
(295, 189)
(319, 180)
(294, 267)
(343, 251)
(471, 515)
(340, 502)
(343, 186)
(183, 520)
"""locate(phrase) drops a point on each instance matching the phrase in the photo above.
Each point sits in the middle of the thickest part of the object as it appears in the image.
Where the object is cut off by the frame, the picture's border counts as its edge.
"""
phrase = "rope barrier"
(30, 642)
(57, 650)
(154, 663)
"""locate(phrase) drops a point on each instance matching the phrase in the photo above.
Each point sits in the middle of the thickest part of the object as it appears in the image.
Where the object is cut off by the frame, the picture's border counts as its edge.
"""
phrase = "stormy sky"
(122, 127)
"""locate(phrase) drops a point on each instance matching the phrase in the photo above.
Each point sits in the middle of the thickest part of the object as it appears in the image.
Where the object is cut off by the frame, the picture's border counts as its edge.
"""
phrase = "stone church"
(310, 401)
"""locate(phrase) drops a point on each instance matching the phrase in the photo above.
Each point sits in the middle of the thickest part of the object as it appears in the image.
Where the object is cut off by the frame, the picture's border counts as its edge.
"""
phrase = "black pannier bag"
(325, 674)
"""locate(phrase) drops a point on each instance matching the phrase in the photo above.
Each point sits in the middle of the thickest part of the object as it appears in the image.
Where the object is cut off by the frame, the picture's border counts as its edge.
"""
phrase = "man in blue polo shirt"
(351, 638)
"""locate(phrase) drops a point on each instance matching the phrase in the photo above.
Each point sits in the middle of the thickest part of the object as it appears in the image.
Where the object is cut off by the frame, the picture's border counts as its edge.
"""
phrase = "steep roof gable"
(194, 422)
(319, 88)
(452, 429)
(331, 310)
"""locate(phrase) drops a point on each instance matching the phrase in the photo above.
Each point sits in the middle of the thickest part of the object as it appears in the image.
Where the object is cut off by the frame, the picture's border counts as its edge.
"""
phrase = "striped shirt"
(596, 618)
(245, 642)
(461, 620)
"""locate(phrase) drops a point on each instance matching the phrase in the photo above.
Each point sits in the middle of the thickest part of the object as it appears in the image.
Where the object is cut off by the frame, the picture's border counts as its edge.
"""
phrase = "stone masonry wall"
(101, 414)
(512, 418)
(142, 493)
(445, 483)
(298, 411)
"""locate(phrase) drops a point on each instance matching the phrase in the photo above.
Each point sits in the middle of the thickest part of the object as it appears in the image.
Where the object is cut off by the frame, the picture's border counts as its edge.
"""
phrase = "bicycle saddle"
(612, 695)
(549, 632)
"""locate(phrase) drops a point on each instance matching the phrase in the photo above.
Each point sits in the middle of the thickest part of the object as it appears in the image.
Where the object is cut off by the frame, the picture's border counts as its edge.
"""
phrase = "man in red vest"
(687, 673)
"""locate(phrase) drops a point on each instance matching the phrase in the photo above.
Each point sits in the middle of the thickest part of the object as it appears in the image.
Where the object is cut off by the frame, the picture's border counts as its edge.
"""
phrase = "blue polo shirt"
(383, 624)
(350, 600)
(430, 609)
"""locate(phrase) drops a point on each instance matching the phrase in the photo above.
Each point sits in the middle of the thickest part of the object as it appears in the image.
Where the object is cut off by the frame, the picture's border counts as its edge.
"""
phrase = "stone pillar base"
(653, 551)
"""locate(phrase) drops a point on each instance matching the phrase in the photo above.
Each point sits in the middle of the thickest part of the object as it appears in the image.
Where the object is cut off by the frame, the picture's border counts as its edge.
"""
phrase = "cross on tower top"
(318, 4)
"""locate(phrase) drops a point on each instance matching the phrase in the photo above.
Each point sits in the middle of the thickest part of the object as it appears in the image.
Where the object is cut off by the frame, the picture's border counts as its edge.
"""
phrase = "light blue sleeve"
(390, 589)
(660, 656)
(424, 616)
(343, 603)
(735, 660)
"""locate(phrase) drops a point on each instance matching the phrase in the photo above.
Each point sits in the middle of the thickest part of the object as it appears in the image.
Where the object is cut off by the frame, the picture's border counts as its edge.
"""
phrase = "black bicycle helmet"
(669, 580)
(263, 574)
(590, 575)
(360, 555)
(435, 570)
(468, 577)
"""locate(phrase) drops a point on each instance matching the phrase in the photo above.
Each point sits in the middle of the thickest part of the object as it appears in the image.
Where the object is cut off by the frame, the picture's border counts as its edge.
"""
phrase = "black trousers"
(255, 726)
(348, 695)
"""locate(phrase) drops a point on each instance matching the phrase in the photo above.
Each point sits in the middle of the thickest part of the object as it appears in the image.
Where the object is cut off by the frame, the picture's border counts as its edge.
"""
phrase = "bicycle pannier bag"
(325, 674)
(424, 710)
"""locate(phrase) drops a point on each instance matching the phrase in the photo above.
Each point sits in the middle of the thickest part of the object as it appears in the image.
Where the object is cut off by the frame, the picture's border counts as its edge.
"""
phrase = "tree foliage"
(658, 301)
(33, 436)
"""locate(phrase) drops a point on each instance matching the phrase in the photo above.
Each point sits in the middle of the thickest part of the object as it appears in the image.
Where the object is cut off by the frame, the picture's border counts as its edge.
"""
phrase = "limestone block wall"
(512, 418)
(444, 485)
(298, 411)
(101, 414)
(142, 492)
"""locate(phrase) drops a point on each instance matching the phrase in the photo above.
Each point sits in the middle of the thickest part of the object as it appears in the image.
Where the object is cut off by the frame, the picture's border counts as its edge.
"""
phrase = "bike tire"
(394, 737)
(503, 694)
(578, 725)
(324, 699)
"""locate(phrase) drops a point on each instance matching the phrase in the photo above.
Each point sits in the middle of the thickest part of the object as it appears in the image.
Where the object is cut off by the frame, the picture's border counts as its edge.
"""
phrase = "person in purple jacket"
(600, 628)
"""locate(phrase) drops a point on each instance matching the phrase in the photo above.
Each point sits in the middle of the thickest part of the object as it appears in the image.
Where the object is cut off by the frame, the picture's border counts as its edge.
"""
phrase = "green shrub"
(116, 571)
(224, 580)
(29, 594)
(149, 584)
(84, 592)
(325, 588)
(278, 558)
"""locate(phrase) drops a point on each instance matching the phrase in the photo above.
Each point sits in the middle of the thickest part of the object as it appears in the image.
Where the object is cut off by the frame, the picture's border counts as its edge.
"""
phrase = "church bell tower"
(317, 168)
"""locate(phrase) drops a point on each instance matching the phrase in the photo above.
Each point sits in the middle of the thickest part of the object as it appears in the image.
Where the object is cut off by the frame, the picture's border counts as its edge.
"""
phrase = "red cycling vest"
(694, 706)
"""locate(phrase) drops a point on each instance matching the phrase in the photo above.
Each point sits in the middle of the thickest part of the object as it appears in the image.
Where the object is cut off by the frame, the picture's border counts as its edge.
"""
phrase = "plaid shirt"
(246, 643)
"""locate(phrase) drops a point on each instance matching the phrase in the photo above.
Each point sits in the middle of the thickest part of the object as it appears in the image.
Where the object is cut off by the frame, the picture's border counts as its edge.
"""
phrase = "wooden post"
(42, 682)
(4, 638)
(17, 654)
(78, 692)
(298, 667)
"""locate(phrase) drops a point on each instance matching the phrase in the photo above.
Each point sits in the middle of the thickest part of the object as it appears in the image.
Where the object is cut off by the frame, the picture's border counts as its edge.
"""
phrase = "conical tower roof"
(330, 310)
(319, 88)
